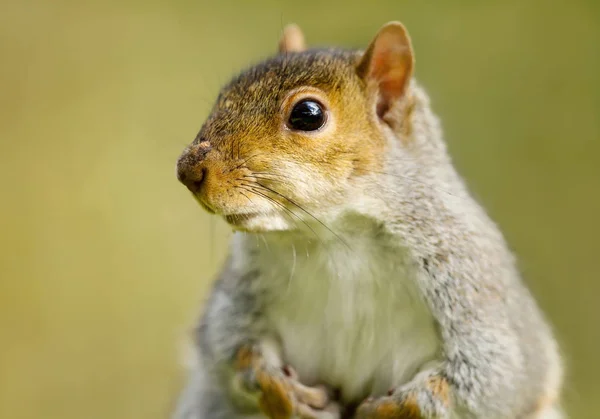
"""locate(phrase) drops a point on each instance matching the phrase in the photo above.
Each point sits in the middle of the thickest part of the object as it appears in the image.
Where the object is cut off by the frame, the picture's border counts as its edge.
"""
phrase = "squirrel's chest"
(351, 318)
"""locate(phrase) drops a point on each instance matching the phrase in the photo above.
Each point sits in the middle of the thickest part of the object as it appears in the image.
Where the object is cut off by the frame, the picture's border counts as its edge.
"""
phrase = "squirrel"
(363, 280)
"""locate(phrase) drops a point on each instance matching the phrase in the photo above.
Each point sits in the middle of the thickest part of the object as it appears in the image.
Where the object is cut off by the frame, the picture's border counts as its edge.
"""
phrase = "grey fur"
(497, 350)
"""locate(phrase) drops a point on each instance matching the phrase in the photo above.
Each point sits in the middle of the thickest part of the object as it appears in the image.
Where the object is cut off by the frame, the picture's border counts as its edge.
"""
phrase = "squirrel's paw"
(426, 401)
(279, 393)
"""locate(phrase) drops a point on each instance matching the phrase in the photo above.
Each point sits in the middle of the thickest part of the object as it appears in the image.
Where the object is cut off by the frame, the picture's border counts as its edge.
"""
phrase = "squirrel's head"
(287, 138)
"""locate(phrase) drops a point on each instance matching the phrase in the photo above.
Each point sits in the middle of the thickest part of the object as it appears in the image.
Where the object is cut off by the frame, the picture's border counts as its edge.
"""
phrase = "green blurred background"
(105, 258)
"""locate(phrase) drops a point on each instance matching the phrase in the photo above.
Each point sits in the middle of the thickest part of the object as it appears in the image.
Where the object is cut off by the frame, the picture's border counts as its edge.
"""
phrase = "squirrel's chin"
(258, 222)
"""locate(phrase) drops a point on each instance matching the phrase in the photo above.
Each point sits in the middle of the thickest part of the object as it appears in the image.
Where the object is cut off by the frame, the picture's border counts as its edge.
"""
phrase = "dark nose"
(191, 177)
(190, 170)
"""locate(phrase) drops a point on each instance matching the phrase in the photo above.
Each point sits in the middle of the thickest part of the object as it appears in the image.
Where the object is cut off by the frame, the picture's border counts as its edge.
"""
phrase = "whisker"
(262, 236)
(408, 178)
(251, 179)
(305, 211)
(252, 189)
(244, 195)
(287, 180)
(245, 161)
(293, 271)
(267, 176)
(257, 192)
(271, 179)
(273, 175)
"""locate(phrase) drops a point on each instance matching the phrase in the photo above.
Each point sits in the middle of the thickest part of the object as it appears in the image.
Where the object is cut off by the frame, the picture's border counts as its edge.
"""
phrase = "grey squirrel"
(363, 281)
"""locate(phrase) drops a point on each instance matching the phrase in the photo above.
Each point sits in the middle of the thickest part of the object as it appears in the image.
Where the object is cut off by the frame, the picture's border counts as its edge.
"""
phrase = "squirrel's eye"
(307, 115)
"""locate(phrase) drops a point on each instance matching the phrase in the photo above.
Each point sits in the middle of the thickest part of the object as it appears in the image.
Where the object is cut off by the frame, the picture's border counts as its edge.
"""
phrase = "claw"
(386, 408)
(290, 372)
(280, 393)
(312, 396)
(277, 400)
(331, 411)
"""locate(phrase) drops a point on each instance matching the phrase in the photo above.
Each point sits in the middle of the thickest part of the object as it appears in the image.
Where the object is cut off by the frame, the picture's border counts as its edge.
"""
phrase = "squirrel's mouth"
(258, 222)
(240, 219)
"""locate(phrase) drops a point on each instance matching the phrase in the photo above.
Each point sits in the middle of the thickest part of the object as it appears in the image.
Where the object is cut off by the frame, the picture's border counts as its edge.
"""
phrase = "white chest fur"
(348, 316)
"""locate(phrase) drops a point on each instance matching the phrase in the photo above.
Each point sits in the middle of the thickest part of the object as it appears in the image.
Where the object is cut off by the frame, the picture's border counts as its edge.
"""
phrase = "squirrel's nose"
(190, 168)
(192, 178)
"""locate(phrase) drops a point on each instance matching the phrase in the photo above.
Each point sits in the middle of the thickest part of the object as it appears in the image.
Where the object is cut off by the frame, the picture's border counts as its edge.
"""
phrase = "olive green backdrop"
(105, 258)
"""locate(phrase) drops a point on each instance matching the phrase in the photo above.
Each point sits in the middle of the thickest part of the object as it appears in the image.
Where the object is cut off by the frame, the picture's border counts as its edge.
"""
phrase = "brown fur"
(281, 396)
(248, 165)
(390, 408)
(440, 389)
(246, 132)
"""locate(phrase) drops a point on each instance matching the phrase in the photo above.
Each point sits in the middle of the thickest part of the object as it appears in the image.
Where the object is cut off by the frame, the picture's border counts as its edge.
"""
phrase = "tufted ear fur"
(388, 65)
(292, 39)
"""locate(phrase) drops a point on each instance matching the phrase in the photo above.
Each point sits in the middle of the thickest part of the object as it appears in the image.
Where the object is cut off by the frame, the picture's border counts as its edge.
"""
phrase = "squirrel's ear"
(388, 64)
(292, 39)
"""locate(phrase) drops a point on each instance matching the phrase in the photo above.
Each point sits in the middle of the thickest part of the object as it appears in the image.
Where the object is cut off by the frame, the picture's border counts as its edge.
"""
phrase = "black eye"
(307, 115)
